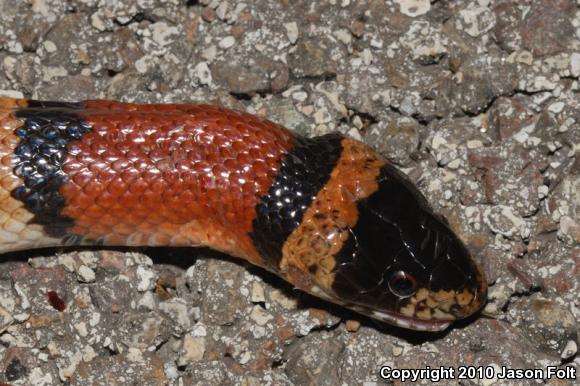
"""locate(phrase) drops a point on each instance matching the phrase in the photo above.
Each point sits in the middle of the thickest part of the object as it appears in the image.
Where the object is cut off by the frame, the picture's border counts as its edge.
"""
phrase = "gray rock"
(248, 76)
(550, 325)
(315, 56)
(312, 361)
(547, 29)
(506, 31)
(399, 139)
(511, 175)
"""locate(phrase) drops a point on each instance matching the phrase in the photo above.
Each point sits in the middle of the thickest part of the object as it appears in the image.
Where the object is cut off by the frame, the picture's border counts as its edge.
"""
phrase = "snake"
(327, 214)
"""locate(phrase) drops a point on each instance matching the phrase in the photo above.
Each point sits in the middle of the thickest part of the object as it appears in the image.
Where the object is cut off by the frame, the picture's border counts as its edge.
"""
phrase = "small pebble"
(570, 350)
(86, 274)
(227, 42)
(352, 325)
(291, 31)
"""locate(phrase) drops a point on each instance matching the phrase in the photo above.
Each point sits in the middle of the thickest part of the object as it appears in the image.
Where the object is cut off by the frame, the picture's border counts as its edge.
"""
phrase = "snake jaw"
(411, 323)
(432, 310)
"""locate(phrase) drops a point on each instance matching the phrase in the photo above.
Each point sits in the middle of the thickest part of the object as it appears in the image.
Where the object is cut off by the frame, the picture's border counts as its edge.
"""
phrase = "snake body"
(327, 214)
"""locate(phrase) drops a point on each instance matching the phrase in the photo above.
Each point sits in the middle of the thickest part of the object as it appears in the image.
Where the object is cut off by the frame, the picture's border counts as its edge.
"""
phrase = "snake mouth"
(411, 323)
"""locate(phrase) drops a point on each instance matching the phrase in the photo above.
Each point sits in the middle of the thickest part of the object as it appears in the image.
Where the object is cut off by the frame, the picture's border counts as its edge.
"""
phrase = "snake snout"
(457, 283)
(455, 286)
(472, 298)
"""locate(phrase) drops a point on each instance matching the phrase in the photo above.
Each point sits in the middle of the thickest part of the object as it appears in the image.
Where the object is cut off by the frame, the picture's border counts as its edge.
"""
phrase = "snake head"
(402, 264)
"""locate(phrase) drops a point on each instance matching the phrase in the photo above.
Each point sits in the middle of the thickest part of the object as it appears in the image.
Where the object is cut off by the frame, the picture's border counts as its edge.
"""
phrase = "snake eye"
(402, 284)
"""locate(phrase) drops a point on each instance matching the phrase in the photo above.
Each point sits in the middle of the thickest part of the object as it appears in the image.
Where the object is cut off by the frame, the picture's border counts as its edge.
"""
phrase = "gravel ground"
(478, 101)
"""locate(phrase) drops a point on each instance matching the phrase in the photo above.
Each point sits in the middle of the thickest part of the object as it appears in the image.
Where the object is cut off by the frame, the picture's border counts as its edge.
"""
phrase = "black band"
(47, 130)
(304, 171)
